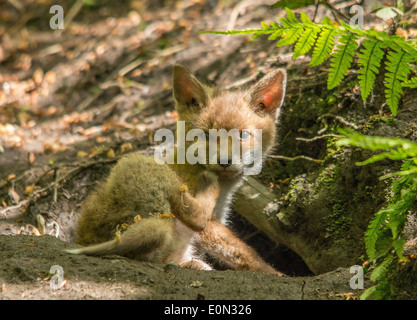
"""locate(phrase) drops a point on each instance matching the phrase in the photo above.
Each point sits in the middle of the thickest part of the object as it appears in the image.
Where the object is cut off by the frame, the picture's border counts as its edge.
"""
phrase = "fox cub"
(160, 212)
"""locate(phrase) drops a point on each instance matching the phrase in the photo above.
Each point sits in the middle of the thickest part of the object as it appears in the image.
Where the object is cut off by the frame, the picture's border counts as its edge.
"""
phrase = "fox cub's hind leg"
(195, 264)
(219, 241)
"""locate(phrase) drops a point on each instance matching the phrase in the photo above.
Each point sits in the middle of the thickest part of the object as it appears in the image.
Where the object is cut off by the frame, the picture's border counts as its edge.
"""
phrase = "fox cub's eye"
(244, 135)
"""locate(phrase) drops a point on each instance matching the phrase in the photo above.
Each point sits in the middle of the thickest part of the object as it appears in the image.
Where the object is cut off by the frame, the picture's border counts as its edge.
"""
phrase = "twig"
(340, 119)
(73, 12)
(241, 6)
(17, 206)
(55, 192)
(295, 158)
(335, 11)
(132, 65)
(316, 9)
(318, 137)
(16, 4)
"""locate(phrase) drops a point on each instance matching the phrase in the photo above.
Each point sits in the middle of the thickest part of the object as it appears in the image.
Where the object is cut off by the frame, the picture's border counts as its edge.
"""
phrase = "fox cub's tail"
(151, 239)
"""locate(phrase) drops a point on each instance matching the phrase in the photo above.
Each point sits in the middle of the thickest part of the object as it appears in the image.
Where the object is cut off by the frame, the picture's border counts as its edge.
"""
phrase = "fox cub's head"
(246, 118)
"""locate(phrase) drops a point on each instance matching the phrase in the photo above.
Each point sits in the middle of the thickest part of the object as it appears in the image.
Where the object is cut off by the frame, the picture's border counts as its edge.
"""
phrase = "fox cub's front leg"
(196, 211)
(217, 239)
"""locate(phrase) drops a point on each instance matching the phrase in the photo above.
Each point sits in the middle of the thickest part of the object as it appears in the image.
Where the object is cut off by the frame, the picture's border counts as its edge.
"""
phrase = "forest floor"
(25, 262)
(73, 101)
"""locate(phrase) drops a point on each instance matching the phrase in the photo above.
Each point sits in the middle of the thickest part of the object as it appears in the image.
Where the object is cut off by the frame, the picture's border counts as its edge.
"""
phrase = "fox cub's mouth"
(226, 170)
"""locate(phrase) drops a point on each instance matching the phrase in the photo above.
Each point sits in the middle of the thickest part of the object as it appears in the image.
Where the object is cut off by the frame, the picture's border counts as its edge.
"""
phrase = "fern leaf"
(397, 72)
(342, 59)
(381, 269)
(399, 247)
(291, 35)
(305, 42)
(285, 23)
(306, 20)
(370, 62)
(291, 16)
(323, 47)
(412, 83)
(373, 232)
(369, 292)
(265, 26)
(277, 34)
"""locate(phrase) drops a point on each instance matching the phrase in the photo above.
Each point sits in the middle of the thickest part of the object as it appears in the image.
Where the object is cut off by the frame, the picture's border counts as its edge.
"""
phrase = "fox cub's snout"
(171, 208)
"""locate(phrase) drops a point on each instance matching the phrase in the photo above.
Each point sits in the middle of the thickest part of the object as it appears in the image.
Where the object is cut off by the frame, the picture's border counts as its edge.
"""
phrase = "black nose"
(228, 164)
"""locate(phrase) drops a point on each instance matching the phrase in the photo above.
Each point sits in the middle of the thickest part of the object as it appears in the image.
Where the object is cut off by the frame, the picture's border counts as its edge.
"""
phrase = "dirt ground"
(25, 262)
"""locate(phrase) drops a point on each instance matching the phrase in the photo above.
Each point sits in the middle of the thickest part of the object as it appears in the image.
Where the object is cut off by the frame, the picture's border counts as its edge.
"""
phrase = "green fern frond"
(305, 42)
(342, 59)
(374, 232)
(369, 61)
(290, 37)
(382, 268)
(355, 139)
(412, 83)
(323, 47)
(321, 38)
(397, 71)
(384, 239)
(369, 292)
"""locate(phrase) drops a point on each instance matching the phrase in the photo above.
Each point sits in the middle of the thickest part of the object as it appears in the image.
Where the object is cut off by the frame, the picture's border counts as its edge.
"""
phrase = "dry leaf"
(50, 77)
(31, 244)
(35, 231)
(165, 215)
(82, 154)
(29, 189)
(14, 196)
(38, 76)
(125, 147)
(31, 157)
(196, 284)
(110, 154)
(41, 223)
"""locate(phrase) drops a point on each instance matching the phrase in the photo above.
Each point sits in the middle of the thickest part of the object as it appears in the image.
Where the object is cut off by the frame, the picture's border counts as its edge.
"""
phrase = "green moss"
(376, 120)
(333, 151)
(297, 185)
(329, 188)
(327, 179)
(331, 99)
(338, 222)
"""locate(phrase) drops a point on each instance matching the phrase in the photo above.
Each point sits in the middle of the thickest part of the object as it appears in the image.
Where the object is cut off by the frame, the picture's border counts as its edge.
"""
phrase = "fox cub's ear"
(188, 91)
(267, 94)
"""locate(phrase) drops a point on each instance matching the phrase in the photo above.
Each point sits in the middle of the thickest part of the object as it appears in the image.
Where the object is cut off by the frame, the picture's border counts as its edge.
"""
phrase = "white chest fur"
(227, 189)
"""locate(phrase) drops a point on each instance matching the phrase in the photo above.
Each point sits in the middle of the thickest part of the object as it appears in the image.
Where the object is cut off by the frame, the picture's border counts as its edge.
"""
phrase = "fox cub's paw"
(207, 180)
